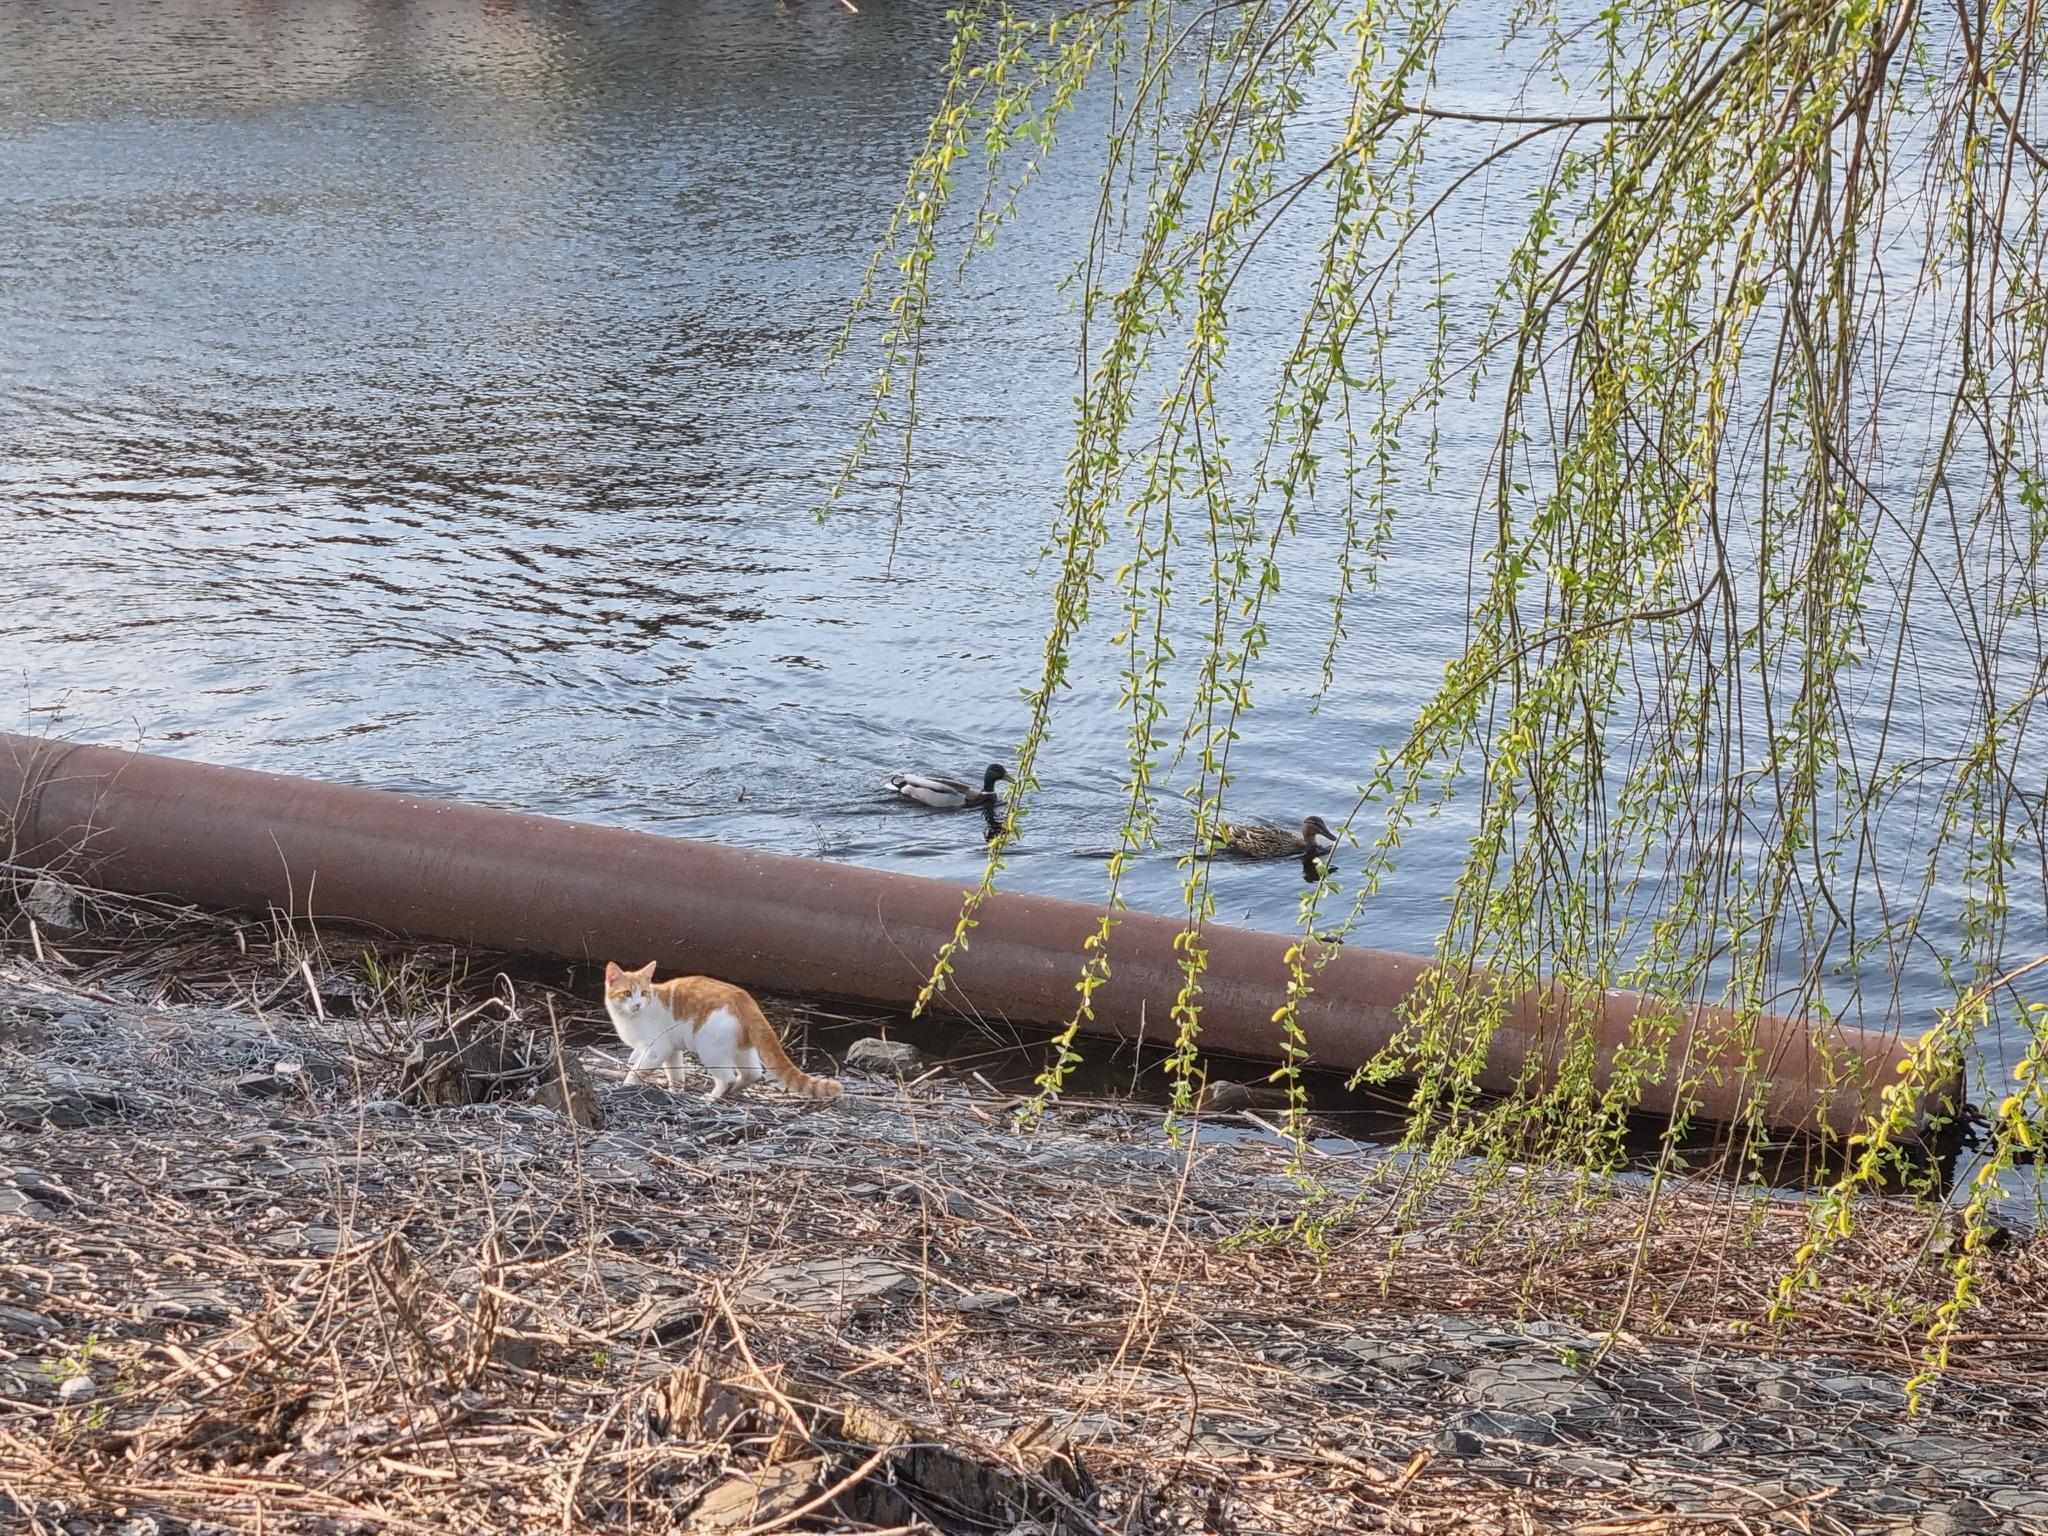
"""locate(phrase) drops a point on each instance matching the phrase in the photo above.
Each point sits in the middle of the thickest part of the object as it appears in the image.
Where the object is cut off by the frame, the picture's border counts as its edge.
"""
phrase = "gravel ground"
(243, 1286)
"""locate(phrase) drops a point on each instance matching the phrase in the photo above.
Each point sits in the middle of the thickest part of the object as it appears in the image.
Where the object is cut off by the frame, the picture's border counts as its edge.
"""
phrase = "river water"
(429, 395)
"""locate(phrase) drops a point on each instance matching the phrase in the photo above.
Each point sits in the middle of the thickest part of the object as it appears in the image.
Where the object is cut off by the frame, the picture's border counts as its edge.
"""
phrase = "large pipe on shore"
(232, 838)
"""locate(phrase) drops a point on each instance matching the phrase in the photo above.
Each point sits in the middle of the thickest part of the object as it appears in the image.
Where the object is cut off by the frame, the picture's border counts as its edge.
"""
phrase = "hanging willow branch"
(1766, 357)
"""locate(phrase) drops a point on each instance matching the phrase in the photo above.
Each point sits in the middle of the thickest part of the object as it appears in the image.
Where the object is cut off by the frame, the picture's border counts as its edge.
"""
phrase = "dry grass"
(326, 1312)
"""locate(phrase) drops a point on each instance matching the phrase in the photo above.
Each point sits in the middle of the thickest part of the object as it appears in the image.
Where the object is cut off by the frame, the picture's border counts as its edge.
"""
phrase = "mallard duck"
(943, 794)
(1262, 840)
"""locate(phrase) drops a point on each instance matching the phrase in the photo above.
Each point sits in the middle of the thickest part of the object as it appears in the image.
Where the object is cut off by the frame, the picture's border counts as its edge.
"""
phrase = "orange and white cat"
(659, 1020)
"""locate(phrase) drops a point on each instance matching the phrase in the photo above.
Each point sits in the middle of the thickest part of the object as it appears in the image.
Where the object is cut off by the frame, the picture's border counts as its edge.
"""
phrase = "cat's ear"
(646, 970)
(611, 973)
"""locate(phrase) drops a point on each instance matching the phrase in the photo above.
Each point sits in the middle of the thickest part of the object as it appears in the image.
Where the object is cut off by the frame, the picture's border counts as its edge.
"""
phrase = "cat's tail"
(775, 1060)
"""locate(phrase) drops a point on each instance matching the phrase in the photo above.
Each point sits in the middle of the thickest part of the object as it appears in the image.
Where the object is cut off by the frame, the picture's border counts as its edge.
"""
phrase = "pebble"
(77, 1389)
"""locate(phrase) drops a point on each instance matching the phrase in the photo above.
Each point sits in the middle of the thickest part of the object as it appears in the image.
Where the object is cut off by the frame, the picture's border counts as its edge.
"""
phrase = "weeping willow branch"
(1760, 328)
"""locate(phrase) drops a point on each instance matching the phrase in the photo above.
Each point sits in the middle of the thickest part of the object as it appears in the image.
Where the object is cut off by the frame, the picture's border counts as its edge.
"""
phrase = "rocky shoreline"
(244, 1285)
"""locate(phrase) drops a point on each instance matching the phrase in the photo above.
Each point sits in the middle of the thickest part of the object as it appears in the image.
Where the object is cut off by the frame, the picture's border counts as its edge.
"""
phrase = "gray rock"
(264, 1085)
(1453, 1441)
(312, 1071)
(1456, 1329)
(516, 1350)
(40, 1111)
(1558, 1336)
(1763, 1498)
(1534, 1386)
(323, 1241)
(24, 1323)
(1706, 1442)
(16, 1202)
(1497, 1341)
(25, 1027)
(2027, 1503)
(1983, 1476)
(43, 1190)
(1864, 1389)
(1391, 1358)
(25, 1382)
(204, 1309)
(836, 1287)
(984, 1301)
(53, 904)
(1957, 1519)
(1930, 1450)
(1489, 1424)
(100, 1093)
(628, 1098)
(885, 1058)
(619, 1171)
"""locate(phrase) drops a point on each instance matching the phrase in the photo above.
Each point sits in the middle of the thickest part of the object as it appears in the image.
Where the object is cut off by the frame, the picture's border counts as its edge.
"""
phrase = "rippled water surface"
(429, 395)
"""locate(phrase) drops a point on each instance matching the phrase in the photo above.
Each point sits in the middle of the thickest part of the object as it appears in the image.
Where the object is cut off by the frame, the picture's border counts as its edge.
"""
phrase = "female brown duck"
(1262, 840)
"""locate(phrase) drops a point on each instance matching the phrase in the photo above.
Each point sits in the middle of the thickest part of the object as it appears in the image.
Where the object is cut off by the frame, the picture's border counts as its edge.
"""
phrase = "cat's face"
(628, 991)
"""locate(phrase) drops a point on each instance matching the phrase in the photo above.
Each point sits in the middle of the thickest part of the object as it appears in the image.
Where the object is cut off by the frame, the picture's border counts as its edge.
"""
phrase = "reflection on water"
(428, 395)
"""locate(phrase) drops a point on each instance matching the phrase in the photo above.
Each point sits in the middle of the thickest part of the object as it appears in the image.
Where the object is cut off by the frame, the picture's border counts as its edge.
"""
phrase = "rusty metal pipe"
(232, 838)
